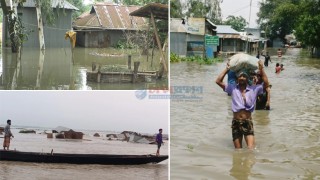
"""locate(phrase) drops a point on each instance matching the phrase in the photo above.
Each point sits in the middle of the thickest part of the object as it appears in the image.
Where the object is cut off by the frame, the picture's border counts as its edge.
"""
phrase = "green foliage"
(115, 68)
(47, 10)
(1, 16)
(82, 8)
(283, 20)
(175, 58)
(175, 9)
(308, 26)
(280, 18)
(237, 22)
(197, 9)
(210, 10)
(123, 44)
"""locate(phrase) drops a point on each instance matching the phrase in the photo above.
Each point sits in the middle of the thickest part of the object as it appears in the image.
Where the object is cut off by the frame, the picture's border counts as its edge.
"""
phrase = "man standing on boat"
(159, 141)
(7, 135)
(243, 102)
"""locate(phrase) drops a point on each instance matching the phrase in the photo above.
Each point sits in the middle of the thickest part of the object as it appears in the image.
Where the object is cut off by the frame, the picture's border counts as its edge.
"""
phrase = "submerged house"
(106, 24)
(187, 36)
(53, 33)
(253, 40)
(230, 41)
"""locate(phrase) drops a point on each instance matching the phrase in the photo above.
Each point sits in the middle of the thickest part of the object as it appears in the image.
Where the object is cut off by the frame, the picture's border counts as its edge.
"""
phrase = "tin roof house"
(53, 33)
(252, 37)
(105, 25)
(187, 35)
(230, 39)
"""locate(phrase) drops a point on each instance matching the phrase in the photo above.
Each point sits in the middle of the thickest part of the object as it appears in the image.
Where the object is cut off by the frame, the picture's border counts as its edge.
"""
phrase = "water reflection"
(60, 69)
(242, 163)
(287, 136)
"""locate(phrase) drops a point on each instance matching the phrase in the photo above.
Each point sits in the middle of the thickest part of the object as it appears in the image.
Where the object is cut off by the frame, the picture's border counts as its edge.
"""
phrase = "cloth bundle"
(243, 62)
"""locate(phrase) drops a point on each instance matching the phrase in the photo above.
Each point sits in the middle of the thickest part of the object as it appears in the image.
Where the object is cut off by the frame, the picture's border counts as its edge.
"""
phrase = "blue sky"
(92, 110)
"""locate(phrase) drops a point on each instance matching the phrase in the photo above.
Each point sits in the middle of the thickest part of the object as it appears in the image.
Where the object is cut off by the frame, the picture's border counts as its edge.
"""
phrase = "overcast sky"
(89, 110)
(241, 8)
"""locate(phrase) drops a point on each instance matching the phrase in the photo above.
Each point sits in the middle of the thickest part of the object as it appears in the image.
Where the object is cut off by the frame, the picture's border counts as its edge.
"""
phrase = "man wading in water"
(243, 101)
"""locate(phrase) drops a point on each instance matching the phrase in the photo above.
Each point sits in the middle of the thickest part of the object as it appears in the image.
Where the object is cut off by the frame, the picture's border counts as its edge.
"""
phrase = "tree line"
(300, 17)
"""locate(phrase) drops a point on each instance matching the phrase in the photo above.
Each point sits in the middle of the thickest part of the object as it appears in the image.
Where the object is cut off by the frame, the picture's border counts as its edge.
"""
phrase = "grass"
(175, 59)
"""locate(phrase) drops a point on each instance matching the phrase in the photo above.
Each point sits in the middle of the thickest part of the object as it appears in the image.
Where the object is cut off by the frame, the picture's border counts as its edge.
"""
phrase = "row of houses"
(187, 38)
(106, 24)
(103, 26)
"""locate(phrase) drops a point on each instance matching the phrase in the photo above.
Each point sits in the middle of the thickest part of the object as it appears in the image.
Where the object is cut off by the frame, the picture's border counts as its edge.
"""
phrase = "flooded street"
(90, 145)
(57, 69)
(287, 136)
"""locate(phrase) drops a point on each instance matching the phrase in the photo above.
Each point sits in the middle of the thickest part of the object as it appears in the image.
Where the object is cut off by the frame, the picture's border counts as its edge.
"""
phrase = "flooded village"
(108, 47)
(204, 139)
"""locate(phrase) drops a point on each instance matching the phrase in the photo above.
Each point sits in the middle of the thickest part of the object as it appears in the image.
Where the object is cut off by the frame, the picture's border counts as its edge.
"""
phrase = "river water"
(287, 136)
(89, 144)
(58, 69)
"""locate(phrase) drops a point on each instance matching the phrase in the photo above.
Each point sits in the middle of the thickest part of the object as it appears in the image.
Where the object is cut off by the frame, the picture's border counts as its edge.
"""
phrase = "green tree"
(82, 8)
(299, 16)
(197, 9)
(278, 17)
(175, 9)
(308, 24)
(209, 9)
(237, 22)
(15, 28)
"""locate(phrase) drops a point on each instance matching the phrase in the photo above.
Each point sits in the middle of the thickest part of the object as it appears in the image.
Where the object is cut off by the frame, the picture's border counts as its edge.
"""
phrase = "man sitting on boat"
(7, 135)
(243, 102)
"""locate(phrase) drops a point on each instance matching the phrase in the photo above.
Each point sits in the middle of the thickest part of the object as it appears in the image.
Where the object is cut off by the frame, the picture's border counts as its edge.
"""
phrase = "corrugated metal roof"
(226, 29)
(54, 3)
(229, 36)
(160, 11)
(110, 16)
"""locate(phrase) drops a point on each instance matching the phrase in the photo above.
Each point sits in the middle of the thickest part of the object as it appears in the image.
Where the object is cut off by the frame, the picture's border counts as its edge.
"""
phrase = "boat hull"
(79, 158)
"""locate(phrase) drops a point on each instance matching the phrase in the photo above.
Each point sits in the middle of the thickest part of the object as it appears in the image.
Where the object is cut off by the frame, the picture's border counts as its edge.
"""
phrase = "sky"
(87, 1)
(87, 110)
(235, 8)
(241, 8)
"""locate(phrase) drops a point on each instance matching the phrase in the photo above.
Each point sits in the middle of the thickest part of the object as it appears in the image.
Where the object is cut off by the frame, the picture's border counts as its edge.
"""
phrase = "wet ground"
(287, 136)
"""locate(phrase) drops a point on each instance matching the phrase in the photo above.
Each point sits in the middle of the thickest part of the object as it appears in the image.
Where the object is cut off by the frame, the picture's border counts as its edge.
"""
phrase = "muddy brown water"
(89, 145)
(287, 136)
(59, 70)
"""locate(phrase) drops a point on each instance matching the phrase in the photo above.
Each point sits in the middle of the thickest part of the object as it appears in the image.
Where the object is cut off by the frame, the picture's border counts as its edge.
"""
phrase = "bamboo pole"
(162, 59)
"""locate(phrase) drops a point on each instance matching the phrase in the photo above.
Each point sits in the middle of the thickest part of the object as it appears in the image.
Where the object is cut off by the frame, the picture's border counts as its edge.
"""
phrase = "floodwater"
(89, 144)
(58, 69)
(287, 136)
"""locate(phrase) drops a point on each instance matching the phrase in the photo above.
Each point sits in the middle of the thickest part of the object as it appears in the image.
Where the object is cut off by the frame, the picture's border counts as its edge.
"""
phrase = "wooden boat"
(80, 158)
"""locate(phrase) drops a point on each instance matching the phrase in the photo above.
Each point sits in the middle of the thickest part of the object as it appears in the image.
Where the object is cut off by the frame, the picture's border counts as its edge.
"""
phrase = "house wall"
(54, 34)
(99, 38)
(256, 32)
(195, 45)
(231, 45)
(277, 43)
(178, 43)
